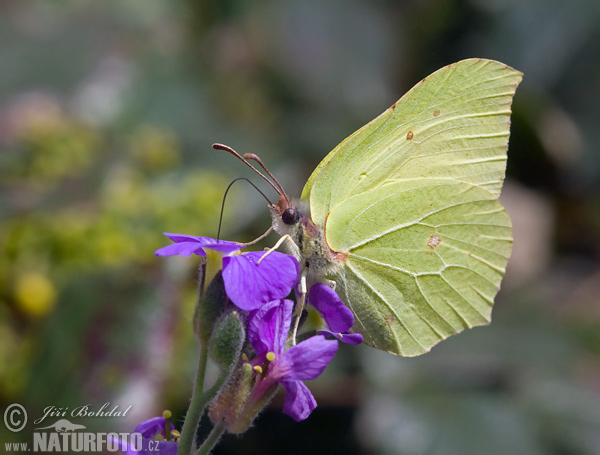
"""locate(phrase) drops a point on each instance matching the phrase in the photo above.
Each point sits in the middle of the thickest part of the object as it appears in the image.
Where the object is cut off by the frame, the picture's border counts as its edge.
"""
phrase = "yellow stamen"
(258, 369)
(270, 356)
(244, 357)
(167, 415)
(175, 434)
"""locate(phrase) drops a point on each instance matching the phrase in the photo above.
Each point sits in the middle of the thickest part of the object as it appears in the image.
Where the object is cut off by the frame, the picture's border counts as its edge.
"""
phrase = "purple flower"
(248, 284)
(268, 329)
(185, 245)
(338, 317)
(148, 443)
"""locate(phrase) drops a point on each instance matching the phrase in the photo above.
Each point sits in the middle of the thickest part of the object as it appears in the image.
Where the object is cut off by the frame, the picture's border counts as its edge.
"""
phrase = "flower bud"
(233, 394)
(251, 409)
(209, 308)
(239, 399)
(227, 341)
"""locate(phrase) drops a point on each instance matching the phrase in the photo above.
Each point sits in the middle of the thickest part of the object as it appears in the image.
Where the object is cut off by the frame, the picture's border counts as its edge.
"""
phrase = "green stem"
(197, 403)
(212, 439)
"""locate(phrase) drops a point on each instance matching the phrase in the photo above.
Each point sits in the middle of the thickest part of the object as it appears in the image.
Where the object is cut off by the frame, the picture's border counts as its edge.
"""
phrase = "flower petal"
(299, 402)
(224, 247)
(345, 337)
(152, 427)
(178, 238)
(306, 360)
(338, 316)
(268, 327)
(148, 430)
(184, 249)
(186, 245)
(250, 285)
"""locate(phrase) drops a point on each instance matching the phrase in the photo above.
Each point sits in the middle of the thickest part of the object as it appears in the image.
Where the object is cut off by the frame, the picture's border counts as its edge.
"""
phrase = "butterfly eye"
(290, 216)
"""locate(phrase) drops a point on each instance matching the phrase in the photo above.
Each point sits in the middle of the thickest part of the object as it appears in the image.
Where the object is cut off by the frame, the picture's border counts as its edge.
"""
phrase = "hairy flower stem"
(253, 409)
(197, 404)
(212, 439)
(199, 401)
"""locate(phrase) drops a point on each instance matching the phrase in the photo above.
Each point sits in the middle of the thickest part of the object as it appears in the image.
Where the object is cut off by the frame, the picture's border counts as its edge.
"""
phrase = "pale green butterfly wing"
(308, 186)
(411, 198)
(425, 259)
(452, 124)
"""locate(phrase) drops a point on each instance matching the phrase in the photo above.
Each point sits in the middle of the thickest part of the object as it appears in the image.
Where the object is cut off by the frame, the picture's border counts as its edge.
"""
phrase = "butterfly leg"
(301, 301)
(290, 244)
(258, 239)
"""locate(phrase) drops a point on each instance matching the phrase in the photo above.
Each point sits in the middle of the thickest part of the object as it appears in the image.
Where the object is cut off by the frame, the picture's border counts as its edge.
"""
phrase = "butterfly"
(403, 217)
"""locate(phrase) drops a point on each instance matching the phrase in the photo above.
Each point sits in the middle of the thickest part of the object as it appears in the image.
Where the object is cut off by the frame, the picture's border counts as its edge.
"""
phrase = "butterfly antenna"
(252, 156)
(226, 148)
(225, 197)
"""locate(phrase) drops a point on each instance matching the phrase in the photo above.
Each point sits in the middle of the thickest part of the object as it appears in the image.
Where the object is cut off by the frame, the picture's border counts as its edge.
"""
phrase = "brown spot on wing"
(434, 241)
(436, 112)
(409, 135)
(388, 319)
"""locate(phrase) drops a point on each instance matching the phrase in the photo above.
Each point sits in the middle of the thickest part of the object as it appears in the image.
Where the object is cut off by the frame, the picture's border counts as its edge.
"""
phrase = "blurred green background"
(107, 115)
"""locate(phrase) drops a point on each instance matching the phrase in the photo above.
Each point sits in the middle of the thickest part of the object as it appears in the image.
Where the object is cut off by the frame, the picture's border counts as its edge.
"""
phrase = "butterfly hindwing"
(424, 260)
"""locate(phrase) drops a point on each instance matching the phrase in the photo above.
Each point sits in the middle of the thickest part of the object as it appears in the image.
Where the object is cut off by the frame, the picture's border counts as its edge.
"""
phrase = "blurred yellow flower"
(35, 294)
(155, 148)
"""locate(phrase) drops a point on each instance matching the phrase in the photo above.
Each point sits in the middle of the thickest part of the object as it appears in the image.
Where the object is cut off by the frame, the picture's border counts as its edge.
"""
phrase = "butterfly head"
(287, 212)
(288, 216)
(292, 218)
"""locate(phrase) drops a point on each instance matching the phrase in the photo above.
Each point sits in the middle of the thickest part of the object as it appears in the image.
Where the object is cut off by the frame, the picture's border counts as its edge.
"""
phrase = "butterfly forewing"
(453, 124)
(411, 199)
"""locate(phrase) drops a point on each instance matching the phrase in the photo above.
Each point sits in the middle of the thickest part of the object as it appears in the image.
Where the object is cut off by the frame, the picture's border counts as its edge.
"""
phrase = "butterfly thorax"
(309, 243)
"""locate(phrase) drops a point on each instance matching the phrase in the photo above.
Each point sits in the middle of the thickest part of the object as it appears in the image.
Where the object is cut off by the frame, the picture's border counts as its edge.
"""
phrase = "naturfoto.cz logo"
(65, 436)
(73, 441)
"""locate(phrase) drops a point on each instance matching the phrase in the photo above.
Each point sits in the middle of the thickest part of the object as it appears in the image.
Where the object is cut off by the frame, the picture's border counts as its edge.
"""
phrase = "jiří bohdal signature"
(83, 411)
